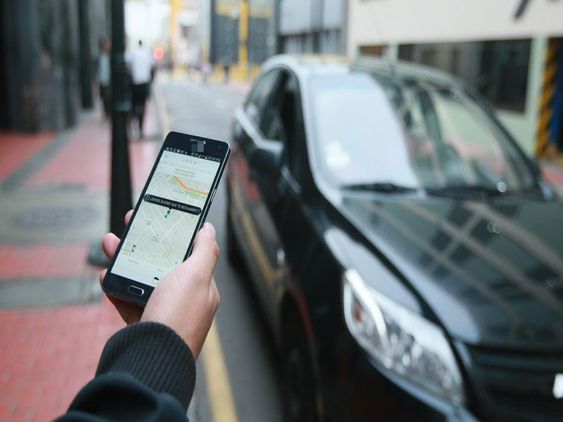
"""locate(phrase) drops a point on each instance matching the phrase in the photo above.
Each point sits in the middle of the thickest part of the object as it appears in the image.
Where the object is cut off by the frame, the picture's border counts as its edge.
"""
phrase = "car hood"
(492, 272)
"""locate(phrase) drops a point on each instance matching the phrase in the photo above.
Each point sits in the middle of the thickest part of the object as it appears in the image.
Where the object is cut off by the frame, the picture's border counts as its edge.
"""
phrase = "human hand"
(186, 299)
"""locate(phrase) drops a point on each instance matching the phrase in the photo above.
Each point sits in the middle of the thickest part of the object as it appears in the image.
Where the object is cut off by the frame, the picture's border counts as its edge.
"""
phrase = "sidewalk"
(54, 320)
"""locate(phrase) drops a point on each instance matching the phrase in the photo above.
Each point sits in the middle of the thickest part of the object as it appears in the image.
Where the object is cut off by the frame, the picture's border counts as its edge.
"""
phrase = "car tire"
(298, 377)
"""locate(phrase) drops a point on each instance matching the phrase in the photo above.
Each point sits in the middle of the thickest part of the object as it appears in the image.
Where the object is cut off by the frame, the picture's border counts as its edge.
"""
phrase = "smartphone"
(169, 213)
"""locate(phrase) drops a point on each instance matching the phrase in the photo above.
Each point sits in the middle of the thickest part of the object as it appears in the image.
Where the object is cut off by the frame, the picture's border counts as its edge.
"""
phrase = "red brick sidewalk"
(48, 354)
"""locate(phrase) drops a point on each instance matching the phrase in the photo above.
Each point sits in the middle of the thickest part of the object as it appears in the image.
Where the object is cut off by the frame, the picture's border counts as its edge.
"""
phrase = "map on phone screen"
(166, 220)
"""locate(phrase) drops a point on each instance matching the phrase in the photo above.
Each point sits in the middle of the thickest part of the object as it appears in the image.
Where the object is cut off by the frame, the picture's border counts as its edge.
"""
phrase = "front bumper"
(361, 390)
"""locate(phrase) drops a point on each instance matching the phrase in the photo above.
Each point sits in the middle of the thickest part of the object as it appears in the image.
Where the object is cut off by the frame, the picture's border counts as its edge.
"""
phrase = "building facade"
(510, 51)
(312, 26)
(48, 51)
(242, 33)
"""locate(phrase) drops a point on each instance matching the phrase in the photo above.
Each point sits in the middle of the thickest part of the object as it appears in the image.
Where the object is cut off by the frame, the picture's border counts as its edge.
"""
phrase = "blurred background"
(57, 174)
(507, 51)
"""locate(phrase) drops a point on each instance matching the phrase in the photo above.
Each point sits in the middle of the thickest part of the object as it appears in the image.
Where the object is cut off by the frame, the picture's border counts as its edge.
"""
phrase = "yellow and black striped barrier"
(543, 145)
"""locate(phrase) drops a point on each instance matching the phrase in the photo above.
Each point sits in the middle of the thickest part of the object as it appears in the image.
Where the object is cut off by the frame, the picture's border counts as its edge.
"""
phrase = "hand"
(186, 299)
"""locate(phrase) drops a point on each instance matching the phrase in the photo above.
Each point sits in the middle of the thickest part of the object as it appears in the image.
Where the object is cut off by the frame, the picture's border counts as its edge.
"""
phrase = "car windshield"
(410, 133)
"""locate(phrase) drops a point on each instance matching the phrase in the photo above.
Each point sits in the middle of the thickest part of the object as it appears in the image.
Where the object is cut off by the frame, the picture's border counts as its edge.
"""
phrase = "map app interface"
(166, 220)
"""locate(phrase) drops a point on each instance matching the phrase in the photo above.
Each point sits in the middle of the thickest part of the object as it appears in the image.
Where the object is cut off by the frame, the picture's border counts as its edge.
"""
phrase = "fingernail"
(208, 227)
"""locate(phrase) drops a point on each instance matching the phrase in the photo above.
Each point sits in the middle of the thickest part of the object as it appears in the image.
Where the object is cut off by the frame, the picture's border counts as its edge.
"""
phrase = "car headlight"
(401, 340)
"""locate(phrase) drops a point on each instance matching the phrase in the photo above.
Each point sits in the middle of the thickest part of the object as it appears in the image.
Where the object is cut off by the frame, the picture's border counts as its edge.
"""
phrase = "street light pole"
(85, 65)
(121, 195)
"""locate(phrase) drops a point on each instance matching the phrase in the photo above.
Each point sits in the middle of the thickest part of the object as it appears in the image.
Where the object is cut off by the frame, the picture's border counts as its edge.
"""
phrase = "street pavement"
(54, 320)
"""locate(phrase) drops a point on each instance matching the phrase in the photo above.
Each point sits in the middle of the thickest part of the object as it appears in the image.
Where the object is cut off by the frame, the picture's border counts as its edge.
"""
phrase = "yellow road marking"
(220, 396)
(219, 391)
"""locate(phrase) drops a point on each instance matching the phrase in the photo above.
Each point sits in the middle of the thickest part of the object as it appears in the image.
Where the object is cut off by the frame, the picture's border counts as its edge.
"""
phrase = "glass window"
(503, 76)
(257, 101)
(291, 115)
(413, 133)
(497, 69)
(359, 137)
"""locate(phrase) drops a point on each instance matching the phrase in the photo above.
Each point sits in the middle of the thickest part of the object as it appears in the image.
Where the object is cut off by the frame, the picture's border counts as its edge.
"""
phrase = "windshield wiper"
(381, 187)
(466, 189)
(533, 193)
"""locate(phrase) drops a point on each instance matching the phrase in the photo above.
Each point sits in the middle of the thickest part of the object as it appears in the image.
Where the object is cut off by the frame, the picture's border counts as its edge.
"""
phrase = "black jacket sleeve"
(146, 372)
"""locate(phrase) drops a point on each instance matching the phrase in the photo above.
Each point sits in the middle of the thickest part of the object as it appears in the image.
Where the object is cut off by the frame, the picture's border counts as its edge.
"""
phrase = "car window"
(359, 138)
(271, 123)
(275, 107)
(257, 102)
(292, 123)
(412, 133)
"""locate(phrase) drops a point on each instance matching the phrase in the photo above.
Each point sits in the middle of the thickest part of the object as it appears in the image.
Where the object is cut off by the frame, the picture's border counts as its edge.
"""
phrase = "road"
(237, 374)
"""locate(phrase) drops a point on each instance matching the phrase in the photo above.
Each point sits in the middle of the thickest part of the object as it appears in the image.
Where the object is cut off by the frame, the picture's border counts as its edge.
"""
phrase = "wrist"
(154, 354)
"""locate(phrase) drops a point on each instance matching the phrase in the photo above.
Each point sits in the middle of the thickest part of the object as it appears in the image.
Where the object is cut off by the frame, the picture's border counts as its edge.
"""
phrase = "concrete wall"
(301, 16)
(312, 26)
(295, 16)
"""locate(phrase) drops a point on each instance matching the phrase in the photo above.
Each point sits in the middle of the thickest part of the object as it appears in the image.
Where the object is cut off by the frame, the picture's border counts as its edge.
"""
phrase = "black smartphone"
(169, 213)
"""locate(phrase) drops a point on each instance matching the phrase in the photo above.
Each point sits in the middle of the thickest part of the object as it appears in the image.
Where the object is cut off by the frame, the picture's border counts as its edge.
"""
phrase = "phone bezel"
(116, 285)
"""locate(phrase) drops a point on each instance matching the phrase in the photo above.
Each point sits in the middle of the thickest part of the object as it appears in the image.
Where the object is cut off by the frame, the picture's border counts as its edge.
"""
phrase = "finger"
(110, 242)
(129, 312)
(214, 292)
(205, 254)
(213, 286)
(128, 217)
(102, 276)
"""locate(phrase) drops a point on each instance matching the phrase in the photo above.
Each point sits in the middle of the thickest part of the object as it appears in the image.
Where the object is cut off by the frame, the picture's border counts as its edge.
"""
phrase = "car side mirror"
(266, 157)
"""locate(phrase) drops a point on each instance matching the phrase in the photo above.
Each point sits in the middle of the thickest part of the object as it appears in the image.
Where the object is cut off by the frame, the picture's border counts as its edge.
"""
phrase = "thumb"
(205, 254)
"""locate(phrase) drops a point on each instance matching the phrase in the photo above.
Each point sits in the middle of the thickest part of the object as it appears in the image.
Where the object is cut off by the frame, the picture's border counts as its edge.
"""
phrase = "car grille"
(517, 386)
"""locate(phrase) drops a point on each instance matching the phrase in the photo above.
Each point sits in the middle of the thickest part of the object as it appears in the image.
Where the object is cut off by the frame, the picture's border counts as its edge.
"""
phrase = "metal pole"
(85, 63)
(121, 195)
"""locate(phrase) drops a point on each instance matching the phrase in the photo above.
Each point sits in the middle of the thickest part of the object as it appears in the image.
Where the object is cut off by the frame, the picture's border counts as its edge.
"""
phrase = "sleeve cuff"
(155, 355)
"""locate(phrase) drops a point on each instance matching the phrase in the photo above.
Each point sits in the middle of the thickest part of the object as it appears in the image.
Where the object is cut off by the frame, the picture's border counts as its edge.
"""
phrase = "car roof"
(320, 64)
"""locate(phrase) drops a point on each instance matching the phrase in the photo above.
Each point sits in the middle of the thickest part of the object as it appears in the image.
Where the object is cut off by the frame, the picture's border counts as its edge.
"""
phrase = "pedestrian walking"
(226, 69)
(205, 71)
(141, 69)
(104, 76)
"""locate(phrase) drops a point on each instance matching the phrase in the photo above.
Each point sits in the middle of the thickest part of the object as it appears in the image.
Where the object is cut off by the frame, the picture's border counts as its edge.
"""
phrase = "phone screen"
(167, 217)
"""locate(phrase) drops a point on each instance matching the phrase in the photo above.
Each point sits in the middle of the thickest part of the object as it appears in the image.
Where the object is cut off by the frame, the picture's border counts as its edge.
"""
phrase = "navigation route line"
(186, 187)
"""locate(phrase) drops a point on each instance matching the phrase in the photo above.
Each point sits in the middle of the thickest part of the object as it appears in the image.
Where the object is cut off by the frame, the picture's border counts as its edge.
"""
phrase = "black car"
(407, 254)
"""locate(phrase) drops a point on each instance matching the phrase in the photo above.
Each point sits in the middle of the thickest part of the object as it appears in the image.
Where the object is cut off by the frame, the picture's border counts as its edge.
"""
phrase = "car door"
(257, 129)
(295, 213)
